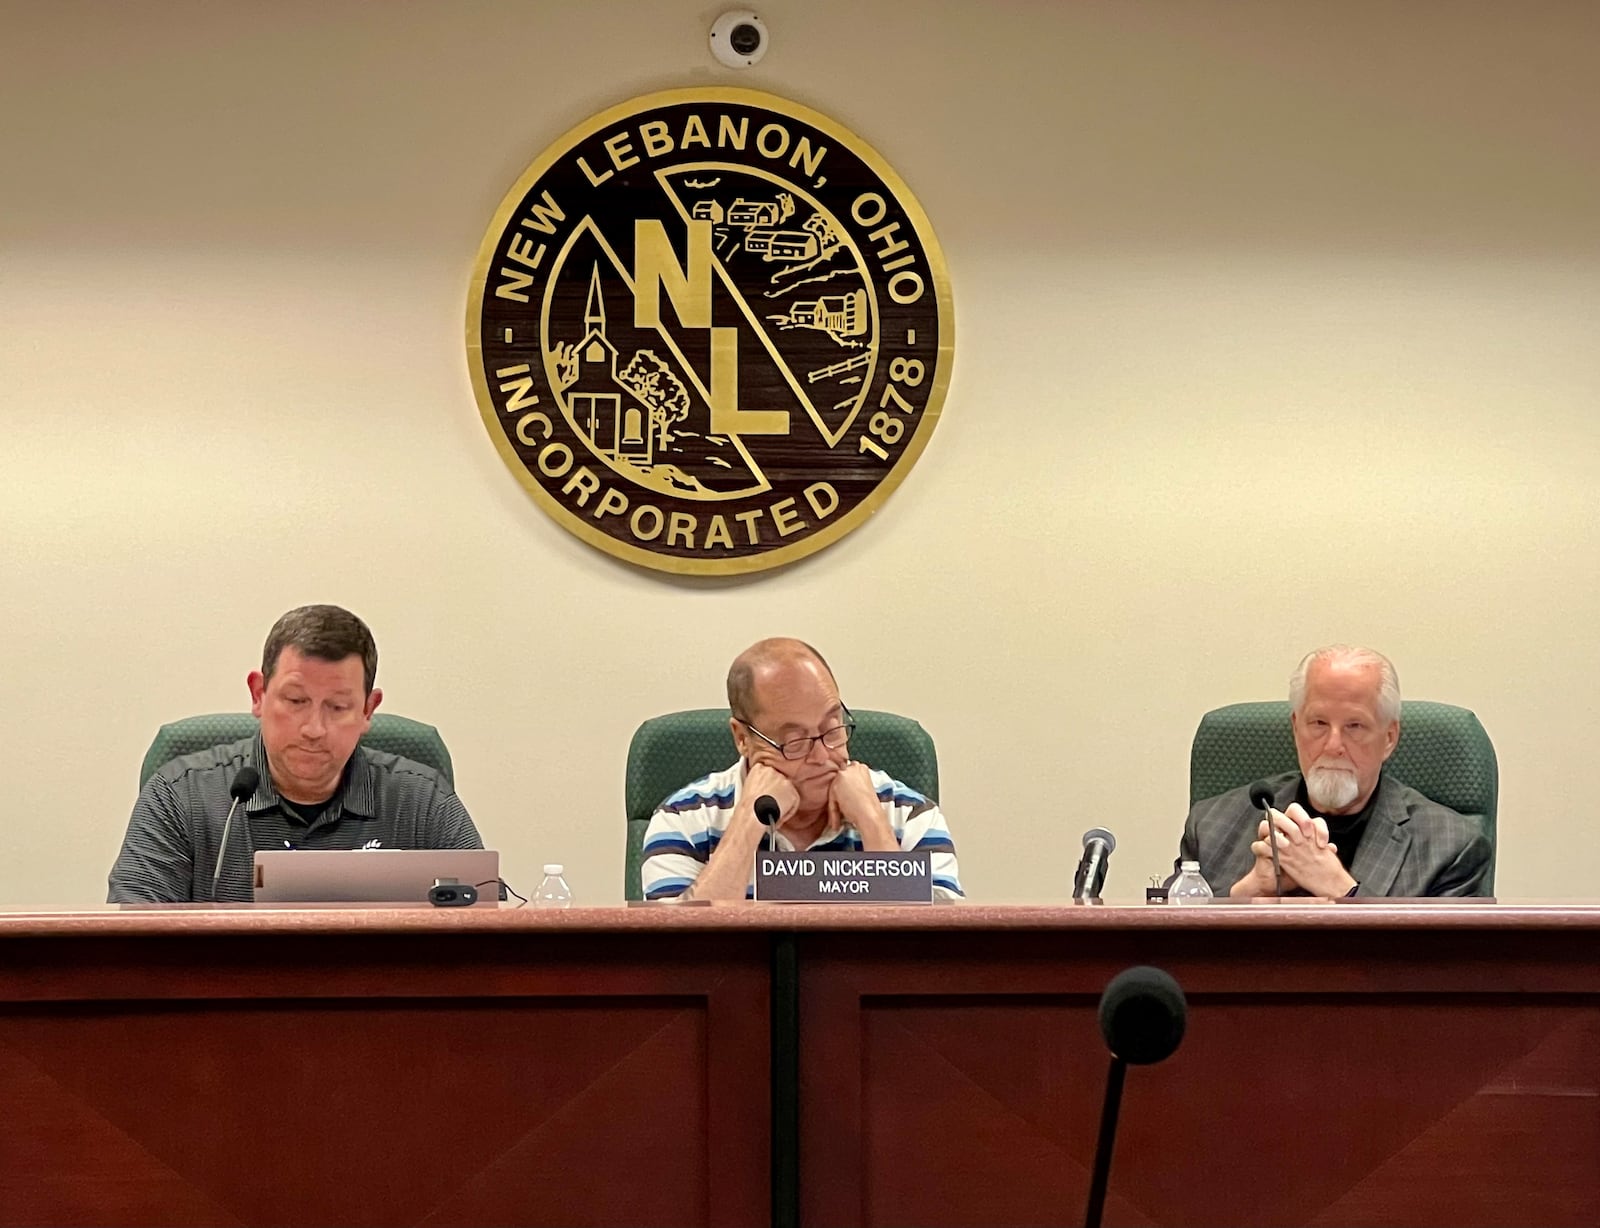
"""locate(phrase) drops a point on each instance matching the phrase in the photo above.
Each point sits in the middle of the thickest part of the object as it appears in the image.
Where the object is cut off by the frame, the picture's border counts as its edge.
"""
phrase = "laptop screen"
(372, 876)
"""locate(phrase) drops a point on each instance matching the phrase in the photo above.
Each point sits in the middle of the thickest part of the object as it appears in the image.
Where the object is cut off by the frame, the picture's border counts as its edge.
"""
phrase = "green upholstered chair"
(668, 752)
(398, 735)
(1443, 753)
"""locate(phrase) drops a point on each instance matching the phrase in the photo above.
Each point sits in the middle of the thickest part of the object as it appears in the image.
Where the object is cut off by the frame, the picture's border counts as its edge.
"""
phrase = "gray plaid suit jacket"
(1412, 847)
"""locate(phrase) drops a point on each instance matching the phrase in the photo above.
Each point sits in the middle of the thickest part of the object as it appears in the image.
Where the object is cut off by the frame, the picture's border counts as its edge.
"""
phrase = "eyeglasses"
(799, 748)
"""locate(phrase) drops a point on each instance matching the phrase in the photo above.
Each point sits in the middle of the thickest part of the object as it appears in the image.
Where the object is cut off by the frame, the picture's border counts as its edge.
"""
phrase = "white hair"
(1350, 654)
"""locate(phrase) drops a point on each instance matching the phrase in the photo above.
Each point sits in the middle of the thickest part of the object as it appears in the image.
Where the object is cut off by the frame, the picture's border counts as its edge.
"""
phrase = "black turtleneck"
(1345, 830)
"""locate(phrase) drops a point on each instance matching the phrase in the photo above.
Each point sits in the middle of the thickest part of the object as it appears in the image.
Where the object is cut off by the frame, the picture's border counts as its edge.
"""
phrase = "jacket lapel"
(1384, 844)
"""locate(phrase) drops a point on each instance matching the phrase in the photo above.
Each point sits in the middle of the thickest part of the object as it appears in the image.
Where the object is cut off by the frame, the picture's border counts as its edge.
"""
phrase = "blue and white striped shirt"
(686, 828)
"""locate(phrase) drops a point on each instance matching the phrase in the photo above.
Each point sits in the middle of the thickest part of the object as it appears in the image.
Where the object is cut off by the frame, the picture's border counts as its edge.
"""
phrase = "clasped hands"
(1307, 858)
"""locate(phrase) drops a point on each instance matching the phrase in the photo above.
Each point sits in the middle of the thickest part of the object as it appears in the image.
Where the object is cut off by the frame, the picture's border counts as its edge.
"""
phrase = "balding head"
(764, 662)
(782, 691)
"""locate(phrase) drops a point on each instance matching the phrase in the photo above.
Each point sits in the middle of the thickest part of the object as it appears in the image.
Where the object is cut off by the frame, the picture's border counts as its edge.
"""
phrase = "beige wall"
(1276, 324)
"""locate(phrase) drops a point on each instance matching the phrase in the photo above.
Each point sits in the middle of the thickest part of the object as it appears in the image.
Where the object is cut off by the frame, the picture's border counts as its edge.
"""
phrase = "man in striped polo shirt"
(314, 696)
(793, 732)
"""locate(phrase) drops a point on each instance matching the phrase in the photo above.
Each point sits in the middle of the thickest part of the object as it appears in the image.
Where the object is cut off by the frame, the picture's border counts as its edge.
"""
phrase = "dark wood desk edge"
(778, 918)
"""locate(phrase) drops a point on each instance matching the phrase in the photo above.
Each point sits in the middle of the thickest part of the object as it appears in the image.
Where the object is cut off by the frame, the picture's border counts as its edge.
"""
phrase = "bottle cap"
(1186, 866)
(555, 867)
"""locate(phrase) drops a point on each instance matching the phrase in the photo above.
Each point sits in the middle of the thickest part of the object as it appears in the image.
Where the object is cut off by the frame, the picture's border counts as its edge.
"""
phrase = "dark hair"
(742, 673)
(325, 632)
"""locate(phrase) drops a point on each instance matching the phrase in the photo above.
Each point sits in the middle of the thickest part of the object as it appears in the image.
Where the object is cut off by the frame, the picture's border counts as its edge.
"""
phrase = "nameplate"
(846, 877)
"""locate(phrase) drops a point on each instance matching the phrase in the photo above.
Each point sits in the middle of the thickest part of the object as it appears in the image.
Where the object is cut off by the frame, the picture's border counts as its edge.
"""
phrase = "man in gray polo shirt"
(318, 788)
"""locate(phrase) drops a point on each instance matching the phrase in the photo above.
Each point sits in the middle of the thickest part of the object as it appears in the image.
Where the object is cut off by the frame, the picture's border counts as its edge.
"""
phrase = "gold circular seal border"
(782, 555)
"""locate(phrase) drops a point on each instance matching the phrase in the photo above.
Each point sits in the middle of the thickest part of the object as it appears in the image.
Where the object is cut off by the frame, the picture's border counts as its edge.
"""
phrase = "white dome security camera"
(739, 39)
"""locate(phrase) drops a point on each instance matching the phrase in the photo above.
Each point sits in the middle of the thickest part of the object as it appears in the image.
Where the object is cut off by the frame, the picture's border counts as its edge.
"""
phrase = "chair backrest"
(668, 752)
(398, 735)
(1444, 753)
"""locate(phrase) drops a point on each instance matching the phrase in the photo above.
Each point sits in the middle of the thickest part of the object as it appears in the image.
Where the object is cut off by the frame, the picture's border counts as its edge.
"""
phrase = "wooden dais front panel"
(1328, 1076)
(458, 1076)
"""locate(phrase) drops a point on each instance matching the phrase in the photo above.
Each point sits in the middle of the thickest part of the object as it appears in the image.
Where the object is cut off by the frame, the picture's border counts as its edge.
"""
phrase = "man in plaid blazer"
(1342, 827)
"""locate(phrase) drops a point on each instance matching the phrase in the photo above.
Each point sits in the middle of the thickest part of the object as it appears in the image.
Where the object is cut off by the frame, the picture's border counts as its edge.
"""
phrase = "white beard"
(1331, 788)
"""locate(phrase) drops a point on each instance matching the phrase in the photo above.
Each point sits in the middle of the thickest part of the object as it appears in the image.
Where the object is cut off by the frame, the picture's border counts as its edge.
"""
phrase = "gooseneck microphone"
(1098, 845)
(767, 810)
(1261, 795)
(1142, 1017)
(244, 784)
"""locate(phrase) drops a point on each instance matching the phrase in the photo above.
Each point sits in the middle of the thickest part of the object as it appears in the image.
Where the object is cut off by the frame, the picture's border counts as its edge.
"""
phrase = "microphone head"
(244, 784)
(1261, 795)
(767, 809)
(1100, 833)
(1142, 1015)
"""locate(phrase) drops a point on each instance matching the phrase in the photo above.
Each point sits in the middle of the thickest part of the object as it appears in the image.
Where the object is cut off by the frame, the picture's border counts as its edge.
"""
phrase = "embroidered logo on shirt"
(373, 844)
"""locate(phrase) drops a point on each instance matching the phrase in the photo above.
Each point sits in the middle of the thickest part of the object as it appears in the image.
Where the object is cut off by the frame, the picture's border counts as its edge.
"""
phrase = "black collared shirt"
(170, 850)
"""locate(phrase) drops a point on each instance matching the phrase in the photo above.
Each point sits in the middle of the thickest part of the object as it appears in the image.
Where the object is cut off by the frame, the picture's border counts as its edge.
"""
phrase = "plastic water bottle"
(1188, 887)
(553, 891)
